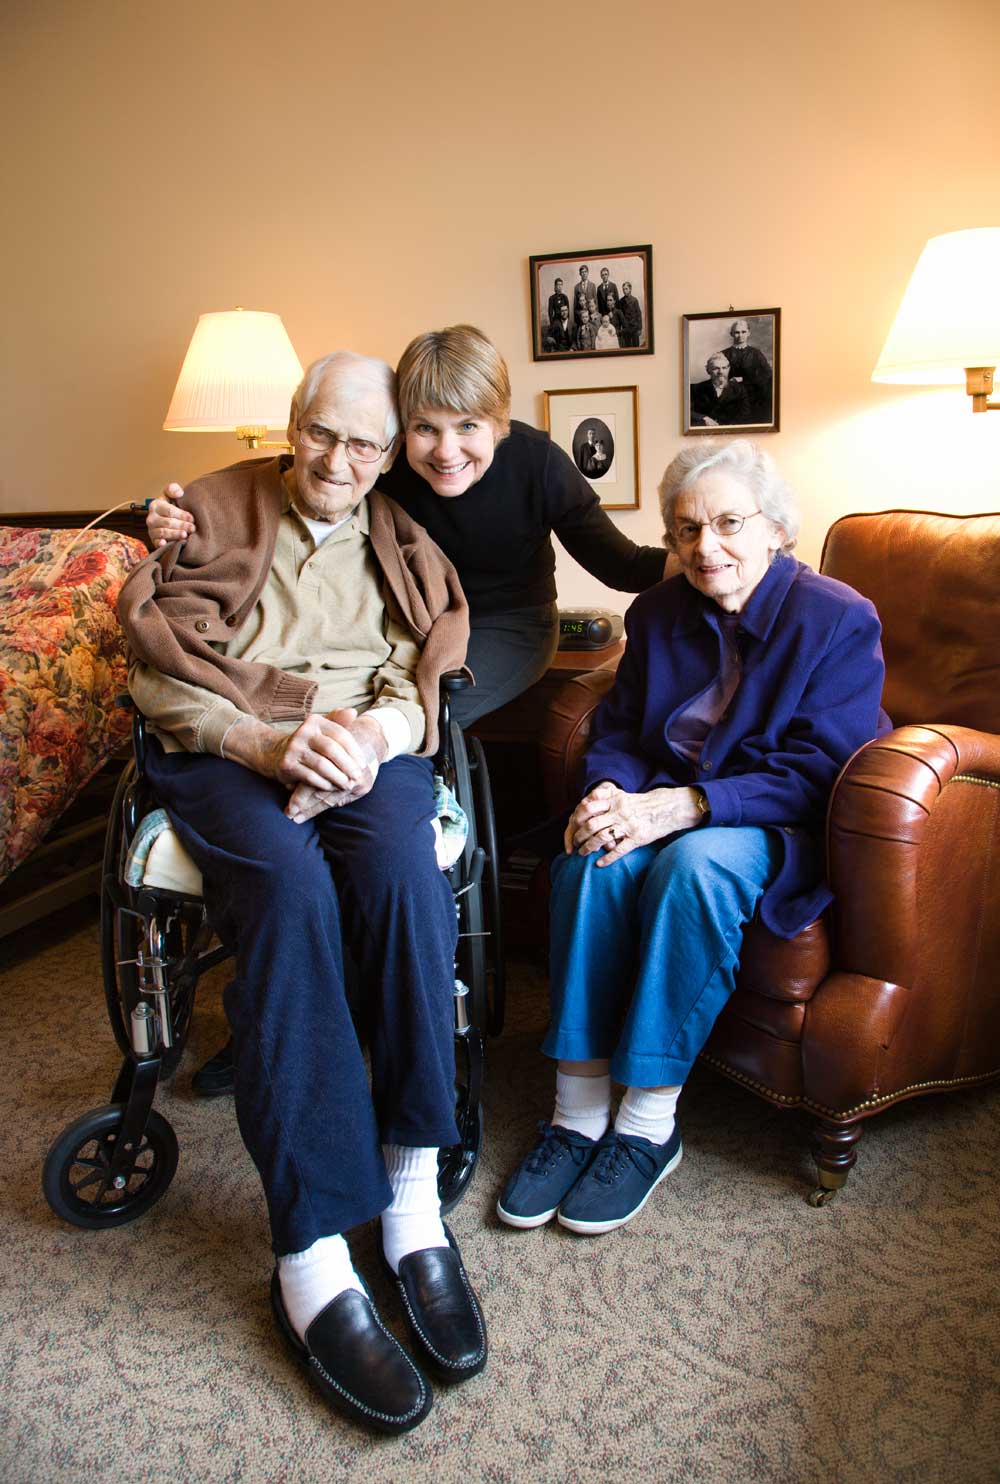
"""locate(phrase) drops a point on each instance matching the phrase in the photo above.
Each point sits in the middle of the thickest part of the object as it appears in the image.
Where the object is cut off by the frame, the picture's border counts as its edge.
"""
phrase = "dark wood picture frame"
(586, 278)
(745, 399)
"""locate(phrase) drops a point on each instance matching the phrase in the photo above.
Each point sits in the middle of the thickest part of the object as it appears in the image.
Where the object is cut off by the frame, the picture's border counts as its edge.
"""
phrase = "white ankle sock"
(648, 1113)
(413, 1220)
(312, 1279)
(583, 1103)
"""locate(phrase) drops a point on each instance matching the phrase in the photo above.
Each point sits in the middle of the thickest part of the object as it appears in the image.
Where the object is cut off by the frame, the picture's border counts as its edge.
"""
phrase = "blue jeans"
(644, 952)
(287, 897)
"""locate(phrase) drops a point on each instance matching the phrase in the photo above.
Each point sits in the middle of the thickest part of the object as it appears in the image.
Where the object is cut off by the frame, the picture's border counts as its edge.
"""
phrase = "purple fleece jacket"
(808, 698)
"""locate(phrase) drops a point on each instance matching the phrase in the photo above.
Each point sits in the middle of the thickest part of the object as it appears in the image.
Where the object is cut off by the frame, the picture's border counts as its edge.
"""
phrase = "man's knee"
(397, 868)
(281, 877)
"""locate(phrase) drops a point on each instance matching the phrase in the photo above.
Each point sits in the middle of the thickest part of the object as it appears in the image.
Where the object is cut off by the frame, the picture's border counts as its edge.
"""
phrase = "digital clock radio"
(589, 628)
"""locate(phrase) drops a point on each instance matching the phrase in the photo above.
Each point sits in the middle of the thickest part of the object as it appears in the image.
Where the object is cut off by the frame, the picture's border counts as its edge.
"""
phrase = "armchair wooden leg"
(833, 1147)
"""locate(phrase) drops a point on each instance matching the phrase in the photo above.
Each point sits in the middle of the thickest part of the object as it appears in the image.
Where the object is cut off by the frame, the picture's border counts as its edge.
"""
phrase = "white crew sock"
(314, 1278)
(583, 1103)
(413, 1220)
(648, 1112)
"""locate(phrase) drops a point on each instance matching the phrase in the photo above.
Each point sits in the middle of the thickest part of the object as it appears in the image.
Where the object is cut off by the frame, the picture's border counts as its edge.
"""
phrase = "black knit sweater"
(498, 534)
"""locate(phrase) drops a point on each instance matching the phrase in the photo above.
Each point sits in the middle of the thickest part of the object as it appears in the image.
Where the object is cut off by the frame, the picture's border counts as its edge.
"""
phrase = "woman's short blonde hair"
(745, 462)
(459, 368)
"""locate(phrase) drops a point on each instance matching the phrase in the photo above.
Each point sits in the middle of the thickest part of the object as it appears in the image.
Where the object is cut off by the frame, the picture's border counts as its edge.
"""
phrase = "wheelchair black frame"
(163, 943)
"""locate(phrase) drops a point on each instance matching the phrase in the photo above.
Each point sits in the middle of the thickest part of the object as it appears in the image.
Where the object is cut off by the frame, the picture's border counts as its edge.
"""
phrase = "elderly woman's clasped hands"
(614, 821)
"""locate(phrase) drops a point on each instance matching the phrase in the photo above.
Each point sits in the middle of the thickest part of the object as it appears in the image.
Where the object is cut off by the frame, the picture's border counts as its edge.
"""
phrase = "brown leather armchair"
(895, 992)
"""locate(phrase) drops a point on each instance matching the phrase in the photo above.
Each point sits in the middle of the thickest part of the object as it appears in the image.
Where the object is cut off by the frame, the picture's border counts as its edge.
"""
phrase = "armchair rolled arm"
(565, 733)
(900, 815)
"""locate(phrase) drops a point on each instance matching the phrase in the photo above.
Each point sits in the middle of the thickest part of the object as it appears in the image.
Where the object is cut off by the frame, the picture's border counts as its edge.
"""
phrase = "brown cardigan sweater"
(184, 598)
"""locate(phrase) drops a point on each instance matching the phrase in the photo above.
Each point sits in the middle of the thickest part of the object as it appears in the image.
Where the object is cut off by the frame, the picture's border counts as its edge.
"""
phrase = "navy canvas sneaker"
(618, 1182)
(545, 1176)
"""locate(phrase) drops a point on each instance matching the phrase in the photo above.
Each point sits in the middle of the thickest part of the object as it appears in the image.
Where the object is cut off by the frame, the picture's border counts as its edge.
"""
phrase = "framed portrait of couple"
(597, 302)
(731, 371)
(599, 428)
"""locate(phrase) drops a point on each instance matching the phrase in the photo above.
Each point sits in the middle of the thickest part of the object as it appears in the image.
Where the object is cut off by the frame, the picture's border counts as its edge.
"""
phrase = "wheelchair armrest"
(451, 682)
(898, 819)
(139, 742)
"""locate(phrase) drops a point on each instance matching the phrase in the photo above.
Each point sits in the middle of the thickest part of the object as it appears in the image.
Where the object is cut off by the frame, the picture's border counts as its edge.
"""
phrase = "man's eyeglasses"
(359, 450)
(686, 532)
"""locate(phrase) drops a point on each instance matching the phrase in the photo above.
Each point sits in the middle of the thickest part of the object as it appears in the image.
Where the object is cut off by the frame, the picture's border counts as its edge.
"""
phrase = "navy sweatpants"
(285, 896)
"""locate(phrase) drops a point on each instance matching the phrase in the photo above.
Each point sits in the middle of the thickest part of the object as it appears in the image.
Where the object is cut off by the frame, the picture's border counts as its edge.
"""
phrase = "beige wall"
(370, 171)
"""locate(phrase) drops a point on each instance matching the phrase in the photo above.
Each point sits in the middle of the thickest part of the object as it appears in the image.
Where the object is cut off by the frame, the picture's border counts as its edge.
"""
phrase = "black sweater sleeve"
(591, 536)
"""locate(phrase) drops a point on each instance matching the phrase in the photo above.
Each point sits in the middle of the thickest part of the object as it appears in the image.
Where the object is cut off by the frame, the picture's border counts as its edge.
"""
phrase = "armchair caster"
(830, 1182)
(835, 1152)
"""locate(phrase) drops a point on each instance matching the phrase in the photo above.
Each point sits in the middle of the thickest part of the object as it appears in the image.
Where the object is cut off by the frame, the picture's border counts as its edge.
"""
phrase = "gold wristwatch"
(701, 799)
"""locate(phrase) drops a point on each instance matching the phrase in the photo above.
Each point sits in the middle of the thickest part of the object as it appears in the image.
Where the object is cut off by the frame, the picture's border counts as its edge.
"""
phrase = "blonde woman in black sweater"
(490, 492)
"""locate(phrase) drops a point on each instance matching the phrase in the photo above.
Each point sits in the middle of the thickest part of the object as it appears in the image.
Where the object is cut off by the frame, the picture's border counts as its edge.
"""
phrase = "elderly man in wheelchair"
(289, 659)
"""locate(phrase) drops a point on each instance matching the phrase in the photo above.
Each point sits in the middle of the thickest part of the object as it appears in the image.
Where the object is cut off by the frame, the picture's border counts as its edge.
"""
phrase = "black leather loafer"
(442, 1311)
(357, 1364)
(216, 1078)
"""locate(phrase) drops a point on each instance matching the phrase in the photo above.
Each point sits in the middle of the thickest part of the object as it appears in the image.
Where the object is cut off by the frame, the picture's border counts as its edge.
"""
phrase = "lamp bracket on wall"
(979, 384)
(256, 438)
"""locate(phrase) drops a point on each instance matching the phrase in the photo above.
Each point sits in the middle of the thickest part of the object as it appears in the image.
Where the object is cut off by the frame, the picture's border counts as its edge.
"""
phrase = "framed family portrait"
(599, 428)
(731, 365)
(597, 302)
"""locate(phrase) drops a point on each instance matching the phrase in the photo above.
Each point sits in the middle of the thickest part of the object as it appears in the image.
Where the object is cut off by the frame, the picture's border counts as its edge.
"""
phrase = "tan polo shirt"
(322, 615)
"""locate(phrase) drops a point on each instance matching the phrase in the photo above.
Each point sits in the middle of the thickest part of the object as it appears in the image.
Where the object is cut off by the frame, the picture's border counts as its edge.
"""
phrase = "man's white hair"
(347, 366)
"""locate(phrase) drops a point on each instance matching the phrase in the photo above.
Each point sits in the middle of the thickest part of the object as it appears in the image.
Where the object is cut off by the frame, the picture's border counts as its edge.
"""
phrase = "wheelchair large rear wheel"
(471, 952)
(121, 933)
(124, 932)
(486, 834)
(76, 1179)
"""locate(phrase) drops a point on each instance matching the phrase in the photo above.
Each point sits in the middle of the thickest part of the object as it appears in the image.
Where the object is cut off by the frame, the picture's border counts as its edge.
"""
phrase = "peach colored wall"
(369, 171)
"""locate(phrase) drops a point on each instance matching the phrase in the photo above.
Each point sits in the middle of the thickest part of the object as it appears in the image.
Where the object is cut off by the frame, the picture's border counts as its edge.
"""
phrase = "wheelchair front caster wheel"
(77, 1181)
(821, 1196)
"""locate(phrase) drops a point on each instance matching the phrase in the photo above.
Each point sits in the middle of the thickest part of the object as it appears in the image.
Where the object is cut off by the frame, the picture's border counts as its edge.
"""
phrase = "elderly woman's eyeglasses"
(359, 450)
(686, 532)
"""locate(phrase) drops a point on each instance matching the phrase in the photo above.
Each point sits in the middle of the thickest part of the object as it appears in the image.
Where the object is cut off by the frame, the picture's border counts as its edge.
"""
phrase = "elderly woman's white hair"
(366, 369)
(742, 460)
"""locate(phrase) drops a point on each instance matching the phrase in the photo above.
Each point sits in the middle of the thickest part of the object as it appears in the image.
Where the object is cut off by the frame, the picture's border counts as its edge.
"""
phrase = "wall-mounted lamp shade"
(950, 314)
(240, 369)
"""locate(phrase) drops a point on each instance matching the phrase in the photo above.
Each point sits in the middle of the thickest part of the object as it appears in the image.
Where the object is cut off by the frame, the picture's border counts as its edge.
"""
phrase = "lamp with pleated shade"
(238, 376)
(947, 329)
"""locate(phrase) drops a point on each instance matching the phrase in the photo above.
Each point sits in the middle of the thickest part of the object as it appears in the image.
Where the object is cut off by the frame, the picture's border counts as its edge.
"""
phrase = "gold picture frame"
(598, 426)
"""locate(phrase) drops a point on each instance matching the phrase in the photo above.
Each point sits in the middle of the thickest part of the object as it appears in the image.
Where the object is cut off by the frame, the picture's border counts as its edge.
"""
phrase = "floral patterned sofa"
(63, 698)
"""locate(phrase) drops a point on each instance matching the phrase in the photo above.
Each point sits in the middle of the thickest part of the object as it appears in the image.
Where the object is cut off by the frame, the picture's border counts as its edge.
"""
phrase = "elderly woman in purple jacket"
(746, 684)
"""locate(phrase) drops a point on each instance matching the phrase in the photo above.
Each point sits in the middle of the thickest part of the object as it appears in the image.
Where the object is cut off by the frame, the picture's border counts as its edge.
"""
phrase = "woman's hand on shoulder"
(167, 521)
(615, 822)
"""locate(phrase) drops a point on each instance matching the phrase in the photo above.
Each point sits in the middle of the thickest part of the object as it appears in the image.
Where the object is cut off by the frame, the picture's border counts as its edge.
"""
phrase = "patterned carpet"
(730, 1332)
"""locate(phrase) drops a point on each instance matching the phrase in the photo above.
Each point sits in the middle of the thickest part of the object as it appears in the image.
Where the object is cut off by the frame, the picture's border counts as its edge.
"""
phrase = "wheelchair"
(115, 1162)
